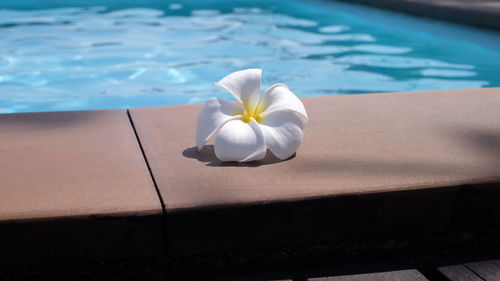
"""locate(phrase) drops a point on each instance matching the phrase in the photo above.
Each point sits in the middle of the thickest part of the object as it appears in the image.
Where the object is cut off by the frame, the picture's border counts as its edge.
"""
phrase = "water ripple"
(101, 57)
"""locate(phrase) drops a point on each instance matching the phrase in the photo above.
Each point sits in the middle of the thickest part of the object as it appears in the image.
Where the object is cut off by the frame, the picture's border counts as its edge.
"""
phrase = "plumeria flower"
(244, 130)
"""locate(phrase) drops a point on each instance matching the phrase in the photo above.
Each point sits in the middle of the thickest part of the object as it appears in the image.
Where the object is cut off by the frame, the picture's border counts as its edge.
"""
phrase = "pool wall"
(477, 13)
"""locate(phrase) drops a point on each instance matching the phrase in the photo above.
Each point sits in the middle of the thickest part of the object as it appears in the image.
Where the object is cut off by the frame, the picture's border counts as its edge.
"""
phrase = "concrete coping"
(372, 165)
(375, 164)
(75, 185)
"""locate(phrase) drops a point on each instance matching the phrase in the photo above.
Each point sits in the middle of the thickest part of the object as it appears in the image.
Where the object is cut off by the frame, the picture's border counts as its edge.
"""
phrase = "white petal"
(215, 113)
(283, 132)
(278, 97)
(244, 85)
(240, 141)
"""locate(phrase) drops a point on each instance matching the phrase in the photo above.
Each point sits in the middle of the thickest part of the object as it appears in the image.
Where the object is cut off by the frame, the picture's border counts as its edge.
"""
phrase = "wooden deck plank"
(459, 272)
(399, 275)
(487, 270)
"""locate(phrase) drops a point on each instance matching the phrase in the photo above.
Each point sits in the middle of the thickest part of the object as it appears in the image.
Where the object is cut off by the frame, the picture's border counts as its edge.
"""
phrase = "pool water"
(90, 54)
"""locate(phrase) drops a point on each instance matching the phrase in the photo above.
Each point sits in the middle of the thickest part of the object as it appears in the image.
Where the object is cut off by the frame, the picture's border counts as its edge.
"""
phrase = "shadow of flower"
(207, 155)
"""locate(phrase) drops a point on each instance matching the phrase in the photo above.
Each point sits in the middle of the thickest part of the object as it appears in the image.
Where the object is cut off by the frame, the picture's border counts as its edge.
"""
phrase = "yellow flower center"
(251, 113)
(246, 117)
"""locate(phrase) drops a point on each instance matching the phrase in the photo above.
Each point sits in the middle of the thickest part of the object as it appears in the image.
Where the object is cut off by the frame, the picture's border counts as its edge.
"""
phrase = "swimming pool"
(76, 54)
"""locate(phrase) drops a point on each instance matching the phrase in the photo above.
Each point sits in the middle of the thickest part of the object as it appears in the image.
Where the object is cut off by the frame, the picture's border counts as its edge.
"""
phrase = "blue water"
(89, 54)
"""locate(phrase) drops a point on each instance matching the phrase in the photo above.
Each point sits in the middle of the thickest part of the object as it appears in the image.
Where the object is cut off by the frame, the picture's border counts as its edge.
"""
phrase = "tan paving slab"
(377, 163)
(75, 185)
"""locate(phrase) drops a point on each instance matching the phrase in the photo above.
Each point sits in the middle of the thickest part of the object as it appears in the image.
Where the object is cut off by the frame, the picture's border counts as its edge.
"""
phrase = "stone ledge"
(370, 165)
(74, 185)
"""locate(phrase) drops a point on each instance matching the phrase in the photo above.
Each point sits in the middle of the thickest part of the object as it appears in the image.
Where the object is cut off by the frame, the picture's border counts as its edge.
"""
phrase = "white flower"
(245, 129)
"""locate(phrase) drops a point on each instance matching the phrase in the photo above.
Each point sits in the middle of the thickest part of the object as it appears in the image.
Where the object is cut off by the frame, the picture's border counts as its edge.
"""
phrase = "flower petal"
(279, 97)
(244, 85)
(240, 141)
(283, 132)
(215, 113)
